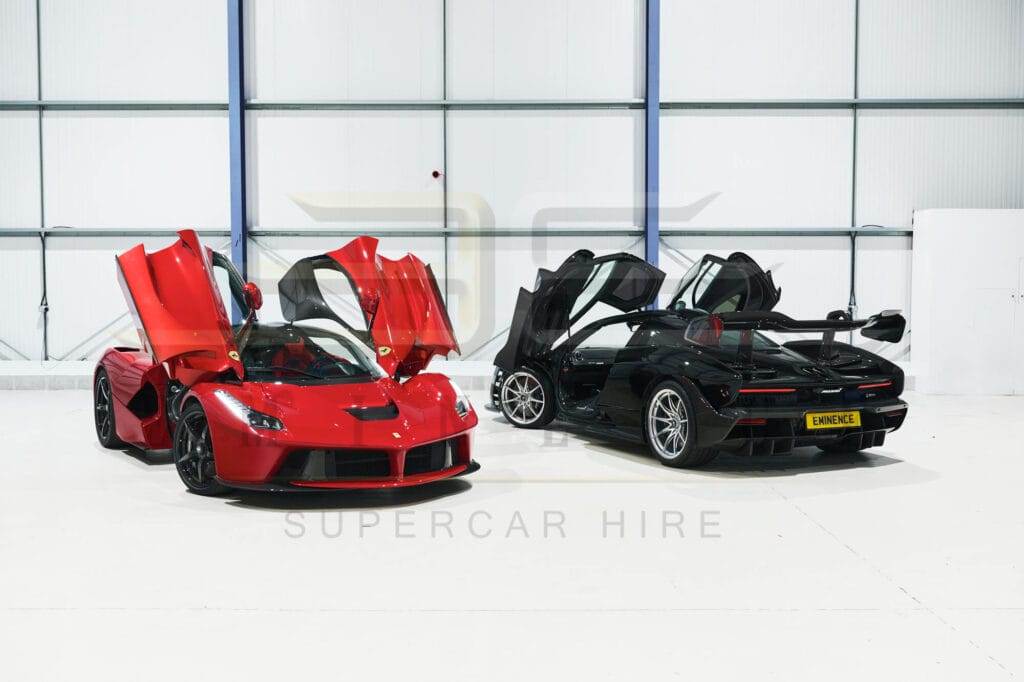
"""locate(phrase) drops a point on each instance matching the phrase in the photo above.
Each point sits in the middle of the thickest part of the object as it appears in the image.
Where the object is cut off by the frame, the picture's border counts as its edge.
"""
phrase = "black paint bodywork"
(607, 388)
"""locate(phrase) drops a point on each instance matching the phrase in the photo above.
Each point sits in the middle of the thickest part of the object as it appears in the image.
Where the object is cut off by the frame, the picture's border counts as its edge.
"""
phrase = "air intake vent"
(370, 414)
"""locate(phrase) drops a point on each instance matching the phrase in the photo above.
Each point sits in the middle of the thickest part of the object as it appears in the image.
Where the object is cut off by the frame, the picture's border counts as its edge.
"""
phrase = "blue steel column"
(236, 133)
(652, 114)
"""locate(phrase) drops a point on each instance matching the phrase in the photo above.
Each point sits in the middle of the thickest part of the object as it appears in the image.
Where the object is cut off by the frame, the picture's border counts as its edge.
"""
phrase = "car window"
(598, 278)
(340, 296)
(703, 281)
(609, 336)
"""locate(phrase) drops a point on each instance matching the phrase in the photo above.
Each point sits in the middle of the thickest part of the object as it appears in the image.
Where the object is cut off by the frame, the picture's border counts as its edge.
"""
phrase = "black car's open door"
(562, 298)
(726, 285)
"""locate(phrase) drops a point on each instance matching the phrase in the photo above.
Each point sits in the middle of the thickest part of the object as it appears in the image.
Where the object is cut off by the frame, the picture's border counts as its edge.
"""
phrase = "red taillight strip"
(752, 421)
(882, 384)
(767, 390)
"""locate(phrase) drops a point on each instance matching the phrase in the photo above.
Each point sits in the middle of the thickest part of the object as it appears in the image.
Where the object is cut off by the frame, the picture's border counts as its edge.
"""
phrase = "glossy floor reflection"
(579, 557)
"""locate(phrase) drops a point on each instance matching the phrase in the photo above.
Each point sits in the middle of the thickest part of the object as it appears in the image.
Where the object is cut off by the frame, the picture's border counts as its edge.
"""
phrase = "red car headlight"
(255, 418)
(462, 404)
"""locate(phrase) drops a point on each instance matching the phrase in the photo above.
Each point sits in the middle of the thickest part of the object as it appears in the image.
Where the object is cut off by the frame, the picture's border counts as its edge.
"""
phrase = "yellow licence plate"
(833, 420)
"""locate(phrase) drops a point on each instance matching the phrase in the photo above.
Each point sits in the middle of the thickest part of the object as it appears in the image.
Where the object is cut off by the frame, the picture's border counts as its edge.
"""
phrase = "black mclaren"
(701, 376)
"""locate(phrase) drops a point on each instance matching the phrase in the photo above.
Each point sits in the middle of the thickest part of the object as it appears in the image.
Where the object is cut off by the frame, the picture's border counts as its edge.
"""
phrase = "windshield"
(302, 354)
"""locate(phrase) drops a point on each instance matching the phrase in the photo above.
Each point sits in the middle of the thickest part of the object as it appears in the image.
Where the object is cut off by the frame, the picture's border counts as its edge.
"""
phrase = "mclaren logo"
(829, 391)
(383, 350)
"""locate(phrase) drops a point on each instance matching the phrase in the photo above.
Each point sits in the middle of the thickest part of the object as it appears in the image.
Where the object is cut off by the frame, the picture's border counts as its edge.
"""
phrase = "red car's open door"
(405, 317)
(173, 296)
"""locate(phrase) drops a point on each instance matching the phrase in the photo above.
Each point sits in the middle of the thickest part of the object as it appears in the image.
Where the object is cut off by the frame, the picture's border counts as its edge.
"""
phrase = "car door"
(404, 320)
(717, 285)
(544, 316)
(180, 316)
(586, 364)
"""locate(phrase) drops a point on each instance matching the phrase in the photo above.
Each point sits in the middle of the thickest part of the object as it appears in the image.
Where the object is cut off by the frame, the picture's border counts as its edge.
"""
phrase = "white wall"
(134, 50)
(505, 169)
(756, 168)
(17, 50)
(942, 48)
(545, 49)
(756, 49)
(343, 49)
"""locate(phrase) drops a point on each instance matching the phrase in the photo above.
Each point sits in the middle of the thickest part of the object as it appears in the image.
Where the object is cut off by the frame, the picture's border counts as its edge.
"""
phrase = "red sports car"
(285, 406)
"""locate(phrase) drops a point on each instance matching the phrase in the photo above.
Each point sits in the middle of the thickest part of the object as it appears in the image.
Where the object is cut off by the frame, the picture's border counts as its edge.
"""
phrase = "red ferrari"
(289, 406)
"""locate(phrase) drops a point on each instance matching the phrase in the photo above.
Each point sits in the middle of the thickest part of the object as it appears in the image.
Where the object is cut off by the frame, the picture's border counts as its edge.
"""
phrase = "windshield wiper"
(281, 368)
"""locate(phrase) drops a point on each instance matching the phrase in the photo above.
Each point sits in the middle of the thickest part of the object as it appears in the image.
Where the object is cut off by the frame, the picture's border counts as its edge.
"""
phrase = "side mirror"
(253, 296)
(887, 326)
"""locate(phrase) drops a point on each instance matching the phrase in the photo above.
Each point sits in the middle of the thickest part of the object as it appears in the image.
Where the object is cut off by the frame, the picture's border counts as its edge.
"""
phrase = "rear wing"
(887, 326)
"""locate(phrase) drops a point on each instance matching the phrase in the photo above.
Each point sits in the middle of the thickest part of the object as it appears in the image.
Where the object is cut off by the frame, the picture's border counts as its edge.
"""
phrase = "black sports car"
(700, 376)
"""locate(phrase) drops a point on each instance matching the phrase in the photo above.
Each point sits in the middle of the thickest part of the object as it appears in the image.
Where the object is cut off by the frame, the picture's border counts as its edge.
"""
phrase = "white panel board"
(88, 313)
(136, 169)
(547, 168)
(326, 49)
(545, 49)
(358, 168)
(21, 322)
(134, 49)
(941, 48)
(911, 160)
(17, 49)
(19, 169)
(813, 272)
(968, 315)
(485, 275)
(755, 168)
(748, 49)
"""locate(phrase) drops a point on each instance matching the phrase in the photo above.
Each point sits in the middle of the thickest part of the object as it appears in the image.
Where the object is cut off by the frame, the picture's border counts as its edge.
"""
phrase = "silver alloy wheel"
(667, 425)
(522, 398)
(104, 408)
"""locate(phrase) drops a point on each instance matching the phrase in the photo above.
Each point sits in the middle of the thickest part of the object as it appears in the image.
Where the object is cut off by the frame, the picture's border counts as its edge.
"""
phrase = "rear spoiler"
(887, 326)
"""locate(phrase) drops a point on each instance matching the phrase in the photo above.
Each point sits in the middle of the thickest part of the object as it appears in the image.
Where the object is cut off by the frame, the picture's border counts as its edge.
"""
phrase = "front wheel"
(193, 453)
(103, 412)
(527, 399)
(671, 428)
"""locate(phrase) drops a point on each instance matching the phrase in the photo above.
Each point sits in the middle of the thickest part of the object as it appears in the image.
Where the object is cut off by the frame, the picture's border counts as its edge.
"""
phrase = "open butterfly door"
(405, 319)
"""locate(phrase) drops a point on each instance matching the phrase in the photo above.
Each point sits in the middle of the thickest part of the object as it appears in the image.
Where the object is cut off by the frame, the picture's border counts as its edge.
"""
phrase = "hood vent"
(372, 414)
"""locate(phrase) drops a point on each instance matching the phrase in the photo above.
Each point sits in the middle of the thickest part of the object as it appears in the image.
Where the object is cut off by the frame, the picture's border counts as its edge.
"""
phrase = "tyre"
(670, 427)
(527, 399)
(193, 452)
(103, 412)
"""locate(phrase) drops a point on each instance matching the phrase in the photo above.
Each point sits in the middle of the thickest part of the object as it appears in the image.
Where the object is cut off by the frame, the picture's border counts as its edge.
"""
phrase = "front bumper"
(357, 484)
(784, 428)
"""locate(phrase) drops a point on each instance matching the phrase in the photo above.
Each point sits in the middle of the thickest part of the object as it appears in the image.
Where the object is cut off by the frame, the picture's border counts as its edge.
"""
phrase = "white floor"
(902, 563)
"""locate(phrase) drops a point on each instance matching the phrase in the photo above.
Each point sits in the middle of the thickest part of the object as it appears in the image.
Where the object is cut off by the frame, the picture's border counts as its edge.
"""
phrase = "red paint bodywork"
(178, 311)
(403, 308)
(184, 326)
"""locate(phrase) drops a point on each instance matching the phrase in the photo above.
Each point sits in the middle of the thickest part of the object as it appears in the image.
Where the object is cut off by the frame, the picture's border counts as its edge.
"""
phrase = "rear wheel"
(671, 429)
(193, 453)
(103, 411)
(527, 399)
